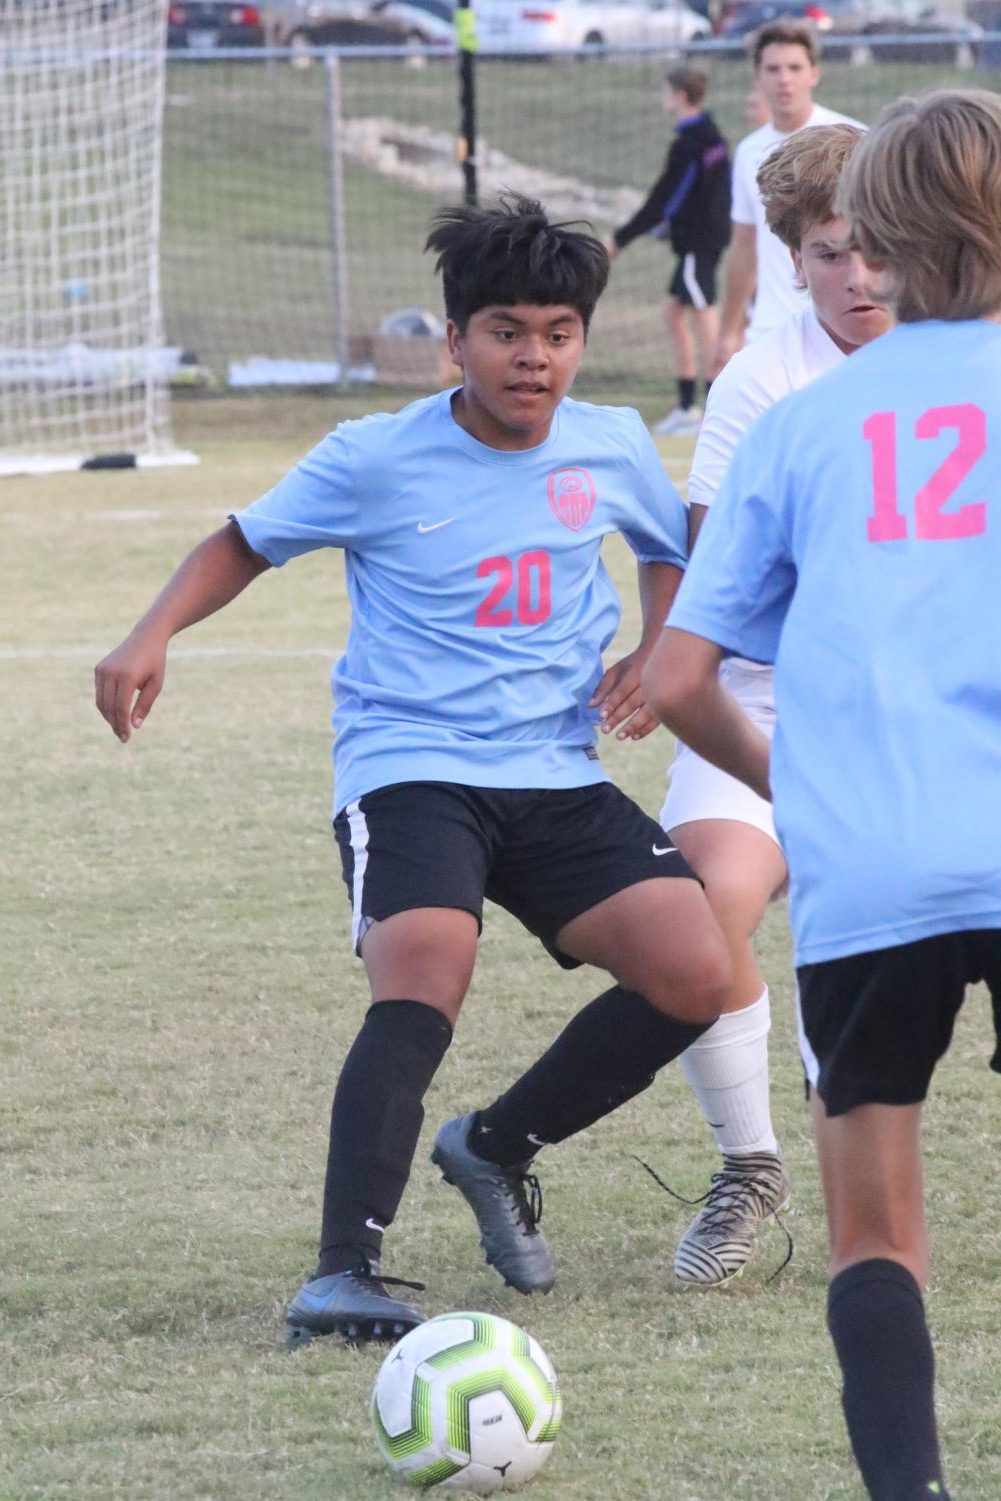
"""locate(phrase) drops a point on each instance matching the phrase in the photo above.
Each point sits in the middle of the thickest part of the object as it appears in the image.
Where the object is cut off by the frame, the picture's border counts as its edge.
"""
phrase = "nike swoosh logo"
(669, 849)
(371, 1225)
(434, 527)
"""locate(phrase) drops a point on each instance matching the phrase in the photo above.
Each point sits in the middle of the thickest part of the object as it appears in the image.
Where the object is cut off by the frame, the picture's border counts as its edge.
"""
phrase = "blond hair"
(922, 195)
(798, 181)
(785, 34)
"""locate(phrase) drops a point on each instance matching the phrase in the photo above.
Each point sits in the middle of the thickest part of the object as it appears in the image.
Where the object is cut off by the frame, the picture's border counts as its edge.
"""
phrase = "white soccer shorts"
(699, 790)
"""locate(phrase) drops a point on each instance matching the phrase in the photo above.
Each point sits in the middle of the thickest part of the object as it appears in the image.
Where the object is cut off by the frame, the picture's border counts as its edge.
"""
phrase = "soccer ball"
(466, 1401)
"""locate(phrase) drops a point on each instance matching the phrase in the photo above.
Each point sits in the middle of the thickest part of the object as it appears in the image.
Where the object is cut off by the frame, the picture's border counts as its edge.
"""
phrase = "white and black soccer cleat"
(721, 1238)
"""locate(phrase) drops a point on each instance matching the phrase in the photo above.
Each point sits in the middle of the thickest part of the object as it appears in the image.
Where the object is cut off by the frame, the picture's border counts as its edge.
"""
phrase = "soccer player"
(856, 543)
(785, 57)
(723, 828)
(690, 203)
(756, 110)
(467, 708)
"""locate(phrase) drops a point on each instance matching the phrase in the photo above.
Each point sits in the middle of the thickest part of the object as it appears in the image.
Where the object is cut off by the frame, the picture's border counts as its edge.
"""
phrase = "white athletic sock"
(727, 1068)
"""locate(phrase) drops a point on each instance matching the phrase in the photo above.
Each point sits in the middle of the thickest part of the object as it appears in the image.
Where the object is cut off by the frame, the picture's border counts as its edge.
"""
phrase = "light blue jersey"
(856, 542)
(480, 604)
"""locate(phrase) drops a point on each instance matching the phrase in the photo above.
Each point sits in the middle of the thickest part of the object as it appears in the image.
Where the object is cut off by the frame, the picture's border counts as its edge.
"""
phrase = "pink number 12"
(931, 522)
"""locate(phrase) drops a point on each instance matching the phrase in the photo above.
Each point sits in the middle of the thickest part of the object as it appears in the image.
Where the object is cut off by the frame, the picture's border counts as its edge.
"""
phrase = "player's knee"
(738, 900)
(697, 985)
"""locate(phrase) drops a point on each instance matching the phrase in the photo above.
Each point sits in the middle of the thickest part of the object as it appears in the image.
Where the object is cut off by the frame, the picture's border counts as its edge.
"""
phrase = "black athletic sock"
(608, 1053)
(686, 392)
(877, 1321)
(374, 1126)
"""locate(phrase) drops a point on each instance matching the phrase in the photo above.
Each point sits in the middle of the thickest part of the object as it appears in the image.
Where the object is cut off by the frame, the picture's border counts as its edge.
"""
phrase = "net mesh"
(82, 364)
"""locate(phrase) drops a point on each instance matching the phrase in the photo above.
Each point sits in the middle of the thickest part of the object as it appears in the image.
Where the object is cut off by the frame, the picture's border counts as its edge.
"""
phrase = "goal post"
(83, 369)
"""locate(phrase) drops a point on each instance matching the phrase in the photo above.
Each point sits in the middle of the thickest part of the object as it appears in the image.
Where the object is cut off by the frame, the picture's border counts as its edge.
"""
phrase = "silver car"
(555, 25)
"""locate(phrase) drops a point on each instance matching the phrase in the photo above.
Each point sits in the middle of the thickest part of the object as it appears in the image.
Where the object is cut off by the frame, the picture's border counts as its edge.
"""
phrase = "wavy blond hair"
(799, 180)
(922, 194)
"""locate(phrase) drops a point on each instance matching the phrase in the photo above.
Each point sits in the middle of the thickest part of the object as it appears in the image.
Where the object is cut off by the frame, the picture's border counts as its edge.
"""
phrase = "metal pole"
(465, 35)
(338, 236)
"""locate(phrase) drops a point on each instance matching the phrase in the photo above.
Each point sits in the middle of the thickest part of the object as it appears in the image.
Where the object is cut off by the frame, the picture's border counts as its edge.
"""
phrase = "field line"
(63, 653)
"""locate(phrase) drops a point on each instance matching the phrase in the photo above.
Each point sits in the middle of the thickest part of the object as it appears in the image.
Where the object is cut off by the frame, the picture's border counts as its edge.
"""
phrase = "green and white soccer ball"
(468, 1402)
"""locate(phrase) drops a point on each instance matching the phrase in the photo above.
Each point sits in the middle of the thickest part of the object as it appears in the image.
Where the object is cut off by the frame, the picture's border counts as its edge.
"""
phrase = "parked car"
(204, 25)
(430, 23)
(742, 17)
(510, 26)
(960, 44)
(368, 23)
(861, 19)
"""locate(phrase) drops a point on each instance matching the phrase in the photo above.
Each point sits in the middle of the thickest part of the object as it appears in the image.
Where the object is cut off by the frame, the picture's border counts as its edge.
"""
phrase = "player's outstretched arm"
(741, 275)
(619, 695)
(682, 687)
(128, 680)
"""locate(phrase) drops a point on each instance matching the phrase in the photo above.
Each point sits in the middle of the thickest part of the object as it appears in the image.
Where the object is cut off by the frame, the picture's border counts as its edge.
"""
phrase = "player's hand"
(726, 347)
(611, 248)
(621, 701)
(128, 681)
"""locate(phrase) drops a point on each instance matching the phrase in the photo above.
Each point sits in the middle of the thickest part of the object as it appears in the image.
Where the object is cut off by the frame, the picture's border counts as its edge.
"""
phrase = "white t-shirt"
(750, 383)
(790, 356)
(776, 294)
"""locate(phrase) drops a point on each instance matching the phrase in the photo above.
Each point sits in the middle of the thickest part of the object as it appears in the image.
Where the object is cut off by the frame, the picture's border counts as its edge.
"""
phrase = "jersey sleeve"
(665, 197)
(657, 526)
(744, 186)
(741, 579)
(315, 505)
(737, 398)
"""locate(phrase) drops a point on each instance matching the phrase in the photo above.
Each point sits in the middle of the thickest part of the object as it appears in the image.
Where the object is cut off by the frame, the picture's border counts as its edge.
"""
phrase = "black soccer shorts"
(694, 279)
(873, 1026)
(544, 855)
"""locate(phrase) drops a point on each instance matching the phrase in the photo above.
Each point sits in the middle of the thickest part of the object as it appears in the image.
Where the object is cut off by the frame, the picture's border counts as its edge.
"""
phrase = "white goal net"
(83, 370)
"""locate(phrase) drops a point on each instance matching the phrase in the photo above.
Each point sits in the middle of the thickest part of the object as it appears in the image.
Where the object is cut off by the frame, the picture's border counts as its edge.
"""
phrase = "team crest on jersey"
(572, 497)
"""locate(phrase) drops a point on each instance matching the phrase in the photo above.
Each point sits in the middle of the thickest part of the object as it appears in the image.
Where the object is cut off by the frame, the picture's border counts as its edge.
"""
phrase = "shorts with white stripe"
(694, 279)
(545, 854)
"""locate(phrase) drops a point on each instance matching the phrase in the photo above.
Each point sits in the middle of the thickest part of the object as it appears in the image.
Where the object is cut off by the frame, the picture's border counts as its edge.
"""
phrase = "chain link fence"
(296, 199)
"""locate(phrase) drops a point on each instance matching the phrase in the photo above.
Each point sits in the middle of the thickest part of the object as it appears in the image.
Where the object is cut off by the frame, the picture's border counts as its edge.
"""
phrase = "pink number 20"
(932, 523)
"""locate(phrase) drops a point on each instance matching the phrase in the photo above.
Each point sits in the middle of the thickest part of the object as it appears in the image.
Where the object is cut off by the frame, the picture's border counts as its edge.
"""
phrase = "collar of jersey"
(483, 451)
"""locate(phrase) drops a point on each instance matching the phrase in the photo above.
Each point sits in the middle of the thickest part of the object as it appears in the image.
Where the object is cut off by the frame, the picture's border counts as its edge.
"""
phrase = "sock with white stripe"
(374, 1126)
(727, 1068)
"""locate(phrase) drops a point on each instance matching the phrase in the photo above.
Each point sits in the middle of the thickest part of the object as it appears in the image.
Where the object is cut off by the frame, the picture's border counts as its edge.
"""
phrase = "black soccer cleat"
(352, 1304)
(508, 1219)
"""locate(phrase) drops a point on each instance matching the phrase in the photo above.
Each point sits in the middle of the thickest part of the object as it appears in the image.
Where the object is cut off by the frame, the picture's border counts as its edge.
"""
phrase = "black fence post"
(465, 35)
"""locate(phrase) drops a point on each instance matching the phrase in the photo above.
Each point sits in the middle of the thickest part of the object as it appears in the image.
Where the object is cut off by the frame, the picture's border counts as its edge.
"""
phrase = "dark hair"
(691, 82)
(785, 34)
(510, 253)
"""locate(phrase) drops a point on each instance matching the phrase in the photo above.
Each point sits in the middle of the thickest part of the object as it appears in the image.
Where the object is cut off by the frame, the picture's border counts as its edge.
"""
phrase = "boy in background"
(689, 204)
(786, 61)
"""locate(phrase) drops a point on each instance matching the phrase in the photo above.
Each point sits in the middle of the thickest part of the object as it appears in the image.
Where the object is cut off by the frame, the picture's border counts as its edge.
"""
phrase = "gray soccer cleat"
(508, 1218)
(353, 1304)
(719, 1242)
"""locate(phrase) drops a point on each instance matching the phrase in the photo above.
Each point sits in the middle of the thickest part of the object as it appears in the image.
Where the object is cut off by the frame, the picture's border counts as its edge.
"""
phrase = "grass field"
(178, 994)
